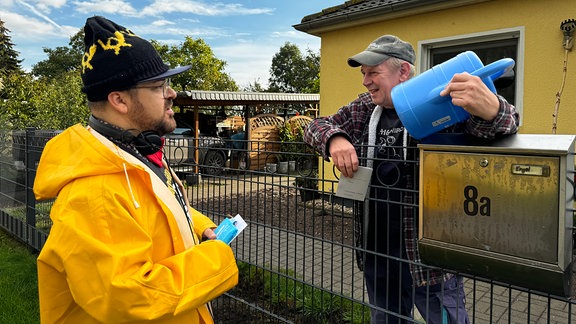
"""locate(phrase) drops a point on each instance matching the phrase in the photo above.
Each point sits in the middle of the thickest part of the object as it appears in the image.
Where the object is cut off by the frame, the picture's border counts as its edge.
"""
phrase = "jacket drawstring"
(136, 204)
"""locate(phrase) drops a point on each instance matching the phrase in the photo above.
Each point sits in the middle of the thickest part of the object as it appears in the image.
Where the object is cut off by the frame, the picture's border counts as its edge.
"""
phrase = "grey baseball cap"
(382, 49)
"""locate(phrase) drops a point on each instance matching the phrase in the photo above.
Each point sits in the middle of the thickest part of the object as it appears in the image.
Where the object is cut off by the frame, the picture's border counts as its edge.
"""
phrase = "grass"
(18, 283)
(288, 294)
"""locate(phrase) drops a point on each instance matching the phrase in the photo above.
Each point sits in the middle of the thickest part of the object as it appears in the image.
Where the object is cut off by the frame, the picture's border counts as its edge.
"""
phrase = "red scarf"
(156, 158)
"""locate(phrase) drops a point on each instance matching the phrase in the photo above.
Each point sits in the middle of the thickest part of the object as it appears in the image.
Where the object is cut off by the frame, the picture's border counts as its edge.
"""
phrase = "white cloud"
(29, 35)
(52, 3)
(178, 30)
(161, 23)
(293, 34)
(47, 5)
(25, 29)
(6, 3)
(247, 63)
(38, 12)
(106, 6)
(201, 8)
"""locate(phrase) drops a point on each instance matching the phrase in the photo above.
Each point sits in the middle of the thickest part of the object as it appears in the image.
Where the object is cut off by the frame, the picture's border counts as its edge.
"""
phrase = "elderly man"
(386, 223)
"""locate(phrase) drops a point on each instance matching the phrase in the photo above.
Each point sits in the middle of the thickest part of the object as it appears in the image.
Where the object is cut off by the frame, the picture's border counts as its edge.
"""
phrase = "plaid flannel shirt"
(352, 122)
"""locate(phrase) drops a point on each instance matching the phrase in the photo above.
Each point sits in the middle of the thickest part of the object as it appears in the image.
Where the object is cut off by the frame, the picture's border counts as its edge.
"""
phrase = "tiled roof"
(354, 10)
(350, 8)
(229, 98)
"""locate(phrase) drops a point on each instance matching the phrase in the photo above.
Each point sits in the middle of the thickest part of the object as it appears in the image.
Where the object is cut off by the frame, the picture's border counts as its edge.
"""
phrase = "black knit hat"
(116, 59)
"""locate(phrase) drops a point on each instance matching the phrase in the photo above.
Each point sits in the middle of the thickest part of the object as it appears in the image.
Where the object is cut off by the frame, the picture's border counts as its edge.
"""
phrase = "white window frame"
(424, 47)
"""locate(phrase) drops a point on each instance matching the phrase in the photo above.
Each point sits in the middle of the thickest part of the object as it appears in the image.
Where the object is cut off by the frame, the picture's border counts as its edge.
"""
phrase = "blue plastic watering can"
(418, 102)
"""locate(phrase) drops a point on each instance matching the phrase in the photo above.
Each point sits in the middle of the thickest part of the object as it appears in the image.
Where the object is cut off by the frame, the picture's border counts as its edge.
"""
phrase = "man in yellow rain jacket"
(125, 245)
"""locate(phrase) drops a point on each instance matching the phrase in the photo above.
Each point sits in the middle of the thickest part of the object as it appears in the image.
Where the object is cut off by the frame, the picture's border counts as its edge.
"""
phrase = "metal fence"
(297, 256)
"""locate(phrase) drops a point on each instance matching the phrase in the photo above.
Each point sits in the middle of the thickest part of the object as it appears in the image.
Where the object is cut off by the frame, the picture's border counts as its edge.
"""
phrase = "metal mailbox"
(502, 210)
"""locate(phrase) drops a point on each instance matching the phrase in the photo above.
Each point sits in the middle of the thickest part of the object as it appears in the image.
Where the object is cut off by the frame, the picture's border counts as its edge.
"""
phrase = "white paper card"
(240, 224)
(355, 187)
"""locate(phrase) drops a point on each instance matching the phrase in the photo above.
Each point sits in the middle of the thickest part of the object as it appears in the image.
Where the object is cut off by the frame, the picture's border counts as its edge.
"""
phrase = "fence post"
(30, 200)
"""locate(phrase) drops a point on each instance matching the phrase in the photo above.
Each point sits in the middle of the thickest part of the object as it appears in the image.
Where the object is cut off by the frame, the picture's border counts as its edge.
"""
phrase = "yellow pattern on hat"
(115, 43)
(112, 43)
(87, 57)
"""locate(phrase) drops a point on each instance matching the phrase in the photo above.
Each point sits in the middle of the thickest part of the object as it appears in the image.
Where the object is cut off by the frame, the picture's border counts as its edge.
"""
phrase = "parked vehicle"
(180, 149)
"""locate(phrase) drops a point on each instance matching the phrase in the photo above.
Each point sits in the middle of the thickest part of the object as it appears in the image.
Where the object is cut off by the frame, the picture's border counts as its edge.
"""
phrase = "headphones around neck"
(147, 142)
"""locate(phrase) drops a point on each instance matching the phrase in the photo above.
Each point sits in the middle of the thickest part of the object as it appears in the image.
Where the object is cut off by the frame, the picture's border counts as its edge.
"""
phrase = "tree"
(43, 103)
(60, 103)
(207, 72)
(292, 72)
(62, 59)
(9, 62)
(53, 101)
(254, 87)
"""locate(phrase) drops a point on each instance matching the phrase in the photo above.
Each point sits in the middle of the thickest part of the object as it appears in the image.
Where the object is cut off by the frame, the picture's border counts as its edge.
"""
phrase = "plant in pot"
(292, 138)
(308, 186)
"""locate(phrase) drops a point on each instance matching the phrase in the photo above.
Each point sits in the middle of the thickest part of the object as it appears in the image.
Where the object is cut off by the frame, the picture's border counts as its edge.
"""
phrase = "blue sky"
(244, 33)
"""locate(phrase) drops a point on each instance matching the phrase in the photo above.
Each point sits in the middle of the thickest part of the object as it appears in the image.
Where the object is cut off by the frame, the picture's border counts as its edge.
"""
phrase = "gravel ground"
(282, 207)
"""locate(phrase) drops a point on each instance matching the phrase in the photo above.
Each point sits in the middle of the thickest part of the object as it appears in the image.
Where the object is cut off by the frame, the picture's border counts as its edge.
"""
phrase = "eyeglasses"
(165, 85)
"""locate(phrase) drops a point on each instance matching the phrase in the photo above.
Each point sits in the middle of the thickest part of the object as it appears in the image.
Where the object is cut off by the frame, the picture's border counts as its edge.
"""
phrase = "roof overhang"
(361, 12)
(230, 98)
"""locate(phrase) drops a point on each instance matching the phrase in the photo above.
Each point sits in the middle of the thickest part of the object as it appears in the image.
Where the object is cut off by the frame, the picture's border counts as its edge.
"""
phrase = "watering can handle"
(492, 70)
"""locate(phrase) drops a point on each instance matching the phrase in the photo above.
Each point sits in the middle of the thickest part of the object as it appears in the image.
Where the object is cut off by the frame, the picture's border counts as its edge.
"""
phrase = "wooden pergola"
(199, 98)
(195, 99)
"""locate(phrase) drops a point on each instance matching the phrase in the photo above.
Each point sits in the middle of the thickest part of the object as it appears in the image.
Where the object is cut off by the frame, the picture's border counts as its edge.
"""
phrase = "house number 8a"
(474, 205)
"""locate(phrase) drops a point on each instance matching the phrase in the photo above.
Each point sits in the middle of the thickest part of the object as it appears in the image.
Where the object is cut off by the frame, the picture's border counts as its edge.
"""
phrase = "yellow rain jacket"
(120, 249)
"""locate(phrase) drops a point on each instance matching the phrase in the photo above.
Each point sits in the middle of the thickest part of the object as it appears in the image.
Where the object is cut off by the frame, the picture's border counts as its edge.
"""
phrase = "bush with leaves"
(292, 138)
(43, 103)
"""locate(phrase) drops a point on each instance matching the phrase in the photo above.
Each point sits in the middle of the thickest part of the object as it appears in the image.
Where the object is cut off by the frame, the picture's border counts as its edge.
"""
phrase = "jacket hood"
(73, 154)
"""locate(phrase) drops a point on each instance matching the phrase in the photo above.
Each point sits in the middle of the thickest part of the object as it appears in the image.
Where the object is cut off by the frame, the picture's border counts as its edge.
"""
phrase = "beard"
(148, 122)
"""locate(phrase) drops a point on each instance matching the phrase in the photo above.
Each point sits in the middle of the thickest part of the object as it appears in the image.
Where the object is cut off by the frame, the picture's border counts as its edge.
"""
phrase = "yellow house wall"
(543, 54)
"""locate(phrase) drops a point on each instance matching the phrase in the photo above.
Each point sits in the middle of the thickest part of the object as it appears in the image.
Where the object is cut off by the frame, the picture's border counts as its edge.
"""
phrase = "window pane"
(488, 52)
